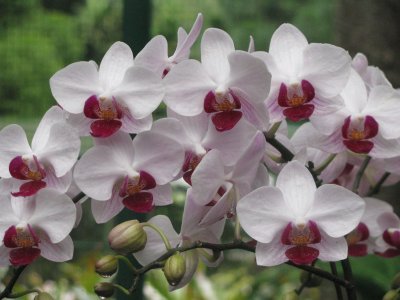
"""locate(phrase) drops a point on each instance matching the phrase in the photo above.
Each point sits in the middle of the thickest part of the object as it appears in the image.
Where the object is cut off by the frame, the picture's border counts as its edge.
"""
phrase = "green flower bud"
(392, 295)
(396, 282)
(107, 266)
(43, 296)
(310, 280)
(291, 296)
(127, 237)
(174, 269)
(104, 289)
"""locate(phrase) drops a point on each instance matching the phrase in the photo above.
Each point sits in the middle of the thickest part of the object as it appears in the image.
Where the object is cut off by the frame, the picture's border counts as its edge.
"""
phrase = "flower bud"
(43, 296)
(104, 289)
(392, 295)
(396, 281)
(127, 237)
(107, 266)
(174, 269)
(310, 280)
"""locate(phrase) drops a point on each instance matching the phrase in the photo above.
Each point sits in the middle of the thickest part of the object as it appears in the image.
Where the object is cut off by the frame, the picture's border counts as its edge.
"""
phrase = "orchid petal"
(373, 209)
(331, 248)
(58, 252)
(7, 215)
(154, 56)
(271, 254)
(103, 211)
(191, 261)
(162, 195)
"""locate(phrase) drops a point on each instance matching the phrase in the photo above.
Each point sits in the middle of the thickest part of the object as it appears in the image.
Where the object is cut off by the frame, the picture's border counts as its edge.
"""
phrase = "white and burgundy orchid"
(114, 96)
(296, 221)
(48, 163)
(388, 244)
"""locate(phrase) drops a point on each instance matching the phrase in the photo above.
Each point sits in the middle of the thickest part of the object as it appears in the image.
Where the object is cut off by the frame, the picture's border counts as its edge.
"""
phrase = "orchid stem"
(10, 285)
(237, 230)
(348, 276)
(122, 289)
(161, 233)
(360, 173)
(326, 163)
(338, 289)
(377, 187)
(274, 128)
(78, 197)
(24, 293)
(127, 262)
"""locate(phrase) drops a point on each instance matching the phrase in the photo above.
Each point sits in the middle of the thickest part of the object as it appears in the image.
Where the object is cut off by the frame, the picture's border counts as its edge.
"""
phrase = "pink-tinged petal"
(155, 247)
(162, 195)
(384, 148)
(375, 77)
(186, 85)
(23, 256)
(354, 94)
(221, 209)
(287, 47)
(251, 47)
(121, 145)
(216, 45)
(302, 255)
(72, 85)
(141, 91)
(61, 150)
(373, 209)
(79, 213)
(388, 220)
(383, 106)
(298, 188)
(13, 142)
(360, 63)
(208, 177)
(23, 208)
(29, 188)
(250, 75)
(147, 156)
(186, 41)
(335, 168)
(7, 216)
(361, 147)
(54, 213)
(154, 56)
(58, 252)
(42, 134)
(263, 213)
(104, 128)
(231, 143)
(299, 113)
(132, 125)
(336, 210)
(103, 211)
(99, 170)
(226, 120)
(4, 256)
(141, 202)
(61, 184)
(327, 68)
(192, 262)
(114, 65)
(271, 254)
(331, 249)
(79, 122)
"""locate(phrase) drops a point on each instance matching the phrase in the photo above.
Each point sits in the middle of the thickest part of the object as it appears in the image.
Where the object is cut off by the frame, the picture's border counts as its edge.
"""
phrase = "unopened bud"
(291, 296)
(392, 295)
(174, 269)
(310, 280)
(396, 282)
(127, 237)
(43, 296)
(104, 289)
(107, 266)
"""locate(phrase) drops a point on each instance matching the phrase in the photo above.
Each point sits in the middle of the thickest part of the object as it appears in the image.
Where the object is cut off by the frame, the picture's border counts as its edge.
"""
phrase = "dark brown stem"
(338, 289)
(378, 185)
(348, 276)
(10, 285)
(78, 197)
(360, 173)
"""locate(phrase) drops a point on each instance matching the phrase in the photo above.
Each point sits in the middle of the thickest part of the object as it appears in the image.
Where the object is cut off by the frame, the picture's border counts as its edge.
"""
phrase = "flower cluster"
(299, 198)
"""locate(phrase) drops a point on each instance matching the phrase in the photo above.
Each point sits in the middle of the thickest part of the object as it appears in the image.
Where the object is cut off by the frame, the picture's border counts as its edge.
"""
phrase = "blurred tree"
(372, 27)
(68, 6)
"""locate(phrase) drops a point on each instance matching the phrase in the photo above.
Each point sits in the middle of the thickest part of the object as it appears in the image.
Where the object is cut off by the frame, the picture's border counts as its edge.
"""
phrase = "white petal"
(162, 195)
(23, 208)
(121, 145)
(336, 210)
(383, 105)
(114, 65)
(58, 252)
(79, 122)
(132, 125)
(7, 215)
(155, 247)
(249, 74)
(61, 150)
(385, 148)
(208, 177)
(327, 68)
(98, 171)
(192, 215)
(216, 45)
(60, 184)
(74, 84)
(103, 211)
(330, 248)
(158, 155)
(13, 143)
(55, 214)
(141, 91)
(220, 209)
(263, 213)
(298, 188)
(286, 47)
(388, 220)
(354, 94)
(154, 56)
(4, 255)
(360, 63)
(186, 86)
(271, 254)
(373, 209)
(256, 113)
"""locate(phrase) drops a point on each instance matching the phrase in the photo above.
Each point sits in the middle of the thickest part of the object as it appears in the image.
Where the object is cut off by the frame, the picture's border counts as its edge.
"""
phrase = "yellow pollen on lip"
(356, 135)
(353, 238)
(225, 105)
(23, 238)
(296, 101)
(107, 114)
(301, 240)
(135, 187)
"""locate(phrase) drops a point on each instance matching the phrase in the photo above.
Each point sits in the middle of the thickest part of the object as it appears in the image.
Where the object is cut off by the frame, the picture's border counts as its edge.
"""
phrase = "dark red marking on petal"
(301, 235)
(392, 238)
(92, 108)
(282, 96)
(9, 237)
(187, 176)
(211, 203)
(302, 255)
(29, 188)
(371, 127)
(210, 102)
(18, 168)
(299, 113)
(147, 181)
(226, 120)
(358, 250)
(139, 202)
(362, 147)
(23, 256)
(389, 253)
(308, 90)
(104, 128)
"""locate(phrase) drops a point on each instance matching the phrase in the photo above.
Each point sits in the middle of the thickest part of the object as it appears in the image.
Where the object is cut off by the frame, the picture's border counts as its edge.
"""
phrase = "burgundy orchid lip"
(358, 132)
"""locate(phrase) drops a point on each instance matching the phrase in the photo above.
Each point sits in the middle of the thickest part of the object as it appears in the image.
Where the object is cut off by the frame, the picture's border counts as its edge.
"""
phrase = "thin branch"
(360, 173)
(287, 155)
(348, 276)
(78, 197)
(10, 285)
(338, 289)
(378, 185)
